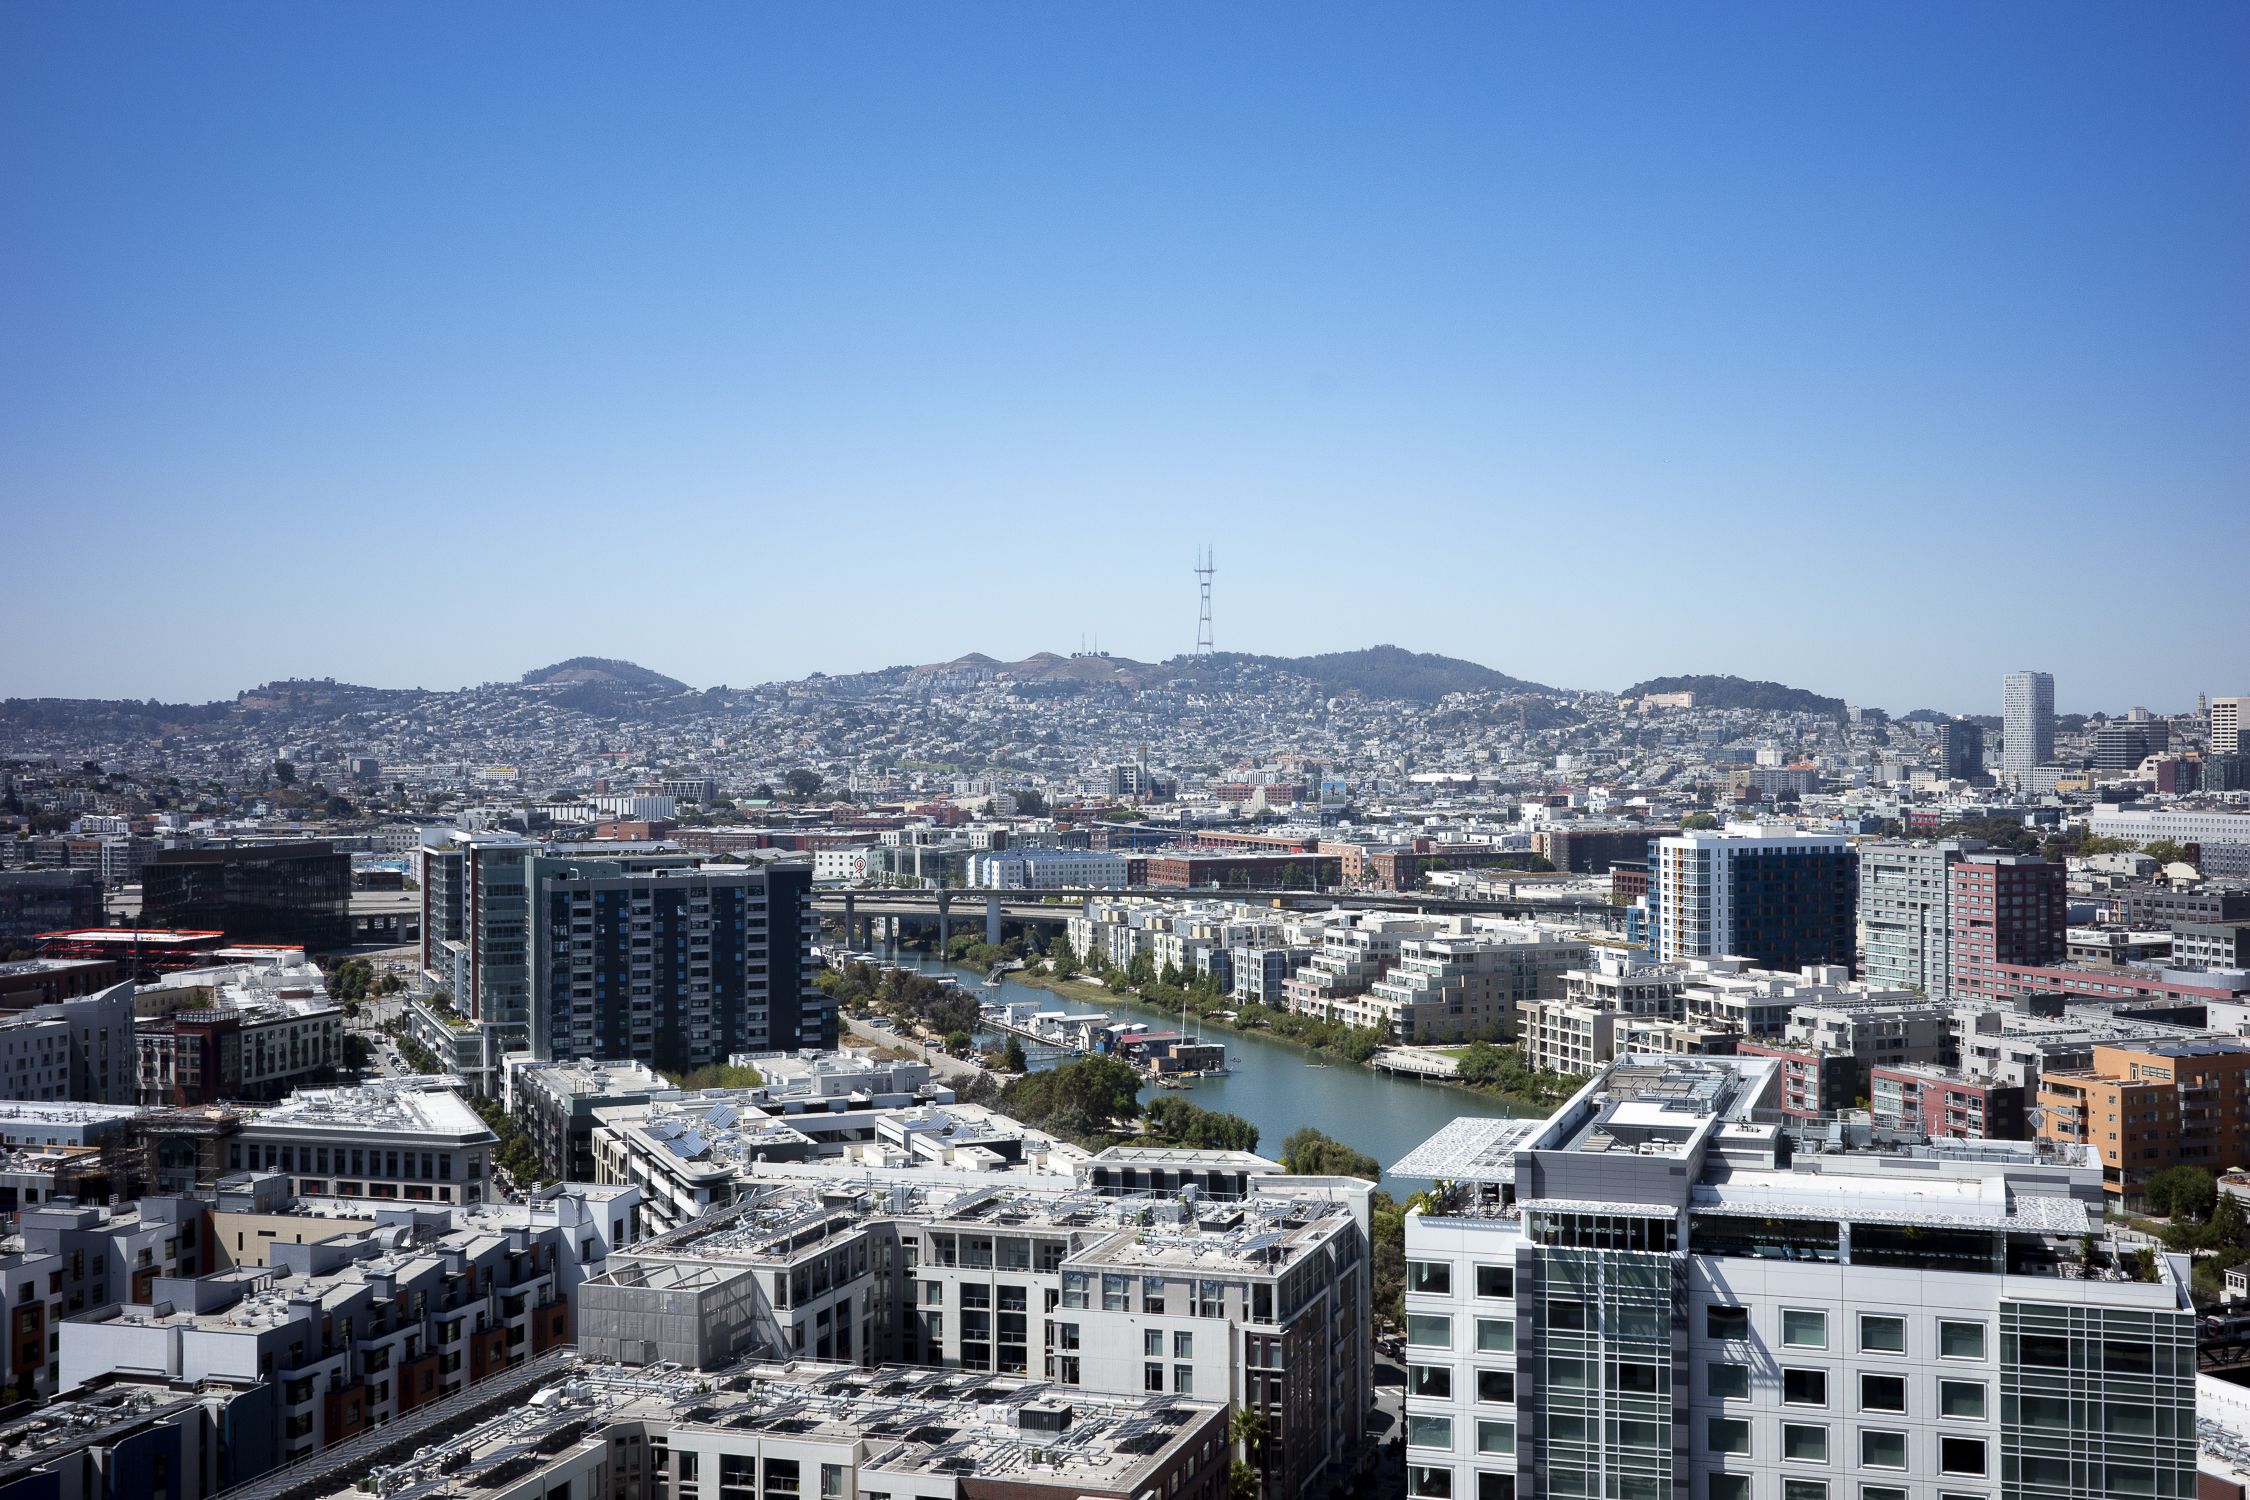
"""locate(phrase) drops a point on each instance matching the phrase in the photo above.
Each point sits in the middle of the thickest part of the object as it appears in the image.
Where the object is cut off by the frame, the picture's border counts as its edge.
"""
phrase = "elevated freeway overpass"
(1055, 908)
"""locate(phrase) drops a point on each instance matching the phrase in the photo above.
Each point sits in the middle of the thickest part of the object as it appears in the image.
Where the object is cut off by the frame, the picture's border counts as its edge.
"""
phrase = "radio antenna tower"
(1203, 571)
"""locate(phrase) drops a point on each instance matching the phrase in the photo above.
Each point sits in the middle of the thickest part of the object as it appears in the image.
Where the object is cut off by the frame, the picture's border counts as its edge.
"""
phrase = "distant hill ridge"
(1383, 672)
(1735, 692)
(603, 669)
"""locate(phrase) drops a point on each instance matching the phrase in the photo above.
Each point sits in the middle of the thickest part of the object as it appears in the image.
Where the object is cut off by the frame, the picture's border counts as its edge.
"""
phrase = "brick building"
(2004, 908)
(2145, 1106)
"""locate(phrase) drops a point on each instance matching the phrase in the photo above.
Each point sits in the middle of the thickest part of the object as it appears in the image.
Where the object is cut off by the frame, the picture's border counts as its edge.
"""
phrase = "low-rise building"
(410, 1139)
(1945, 1102)
(1466, 981)
(2144, 1107)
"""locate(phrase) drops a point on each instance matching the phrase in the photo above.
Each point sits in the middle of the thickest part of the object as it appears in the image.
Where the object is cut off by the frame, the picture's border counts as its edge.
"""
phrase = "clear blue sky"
(1876, 349)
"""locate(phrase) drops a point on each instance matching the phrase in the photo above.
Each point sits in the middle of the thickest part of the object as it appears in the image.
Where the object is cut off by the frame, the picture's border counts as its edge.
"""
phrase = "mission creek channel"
(1270, 1085)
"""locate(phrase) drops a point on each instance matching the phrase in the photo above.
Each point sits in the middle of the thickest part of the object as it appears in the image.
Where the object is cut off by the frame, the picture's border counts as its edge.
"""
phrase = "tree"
(1013, 1059)
(1030, 805)
(2182, 1193)
(958, 1042)
(284, 772)
(1698, 820)
(803, 783)
(1313, 1153)
(1248, 1428)
(2224, 1231)
(2165, 852)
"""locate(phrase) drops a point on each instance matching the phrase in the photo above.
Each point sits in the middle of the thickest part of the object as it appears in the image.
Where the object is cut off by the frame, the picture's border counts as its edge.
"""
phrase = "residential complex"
(1664, 1289)
(1770, 893)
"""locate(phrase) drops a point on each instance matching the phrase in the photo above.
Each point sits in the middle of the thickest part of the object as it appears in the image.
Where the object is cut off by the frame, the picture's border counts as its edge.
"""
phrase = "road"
(956, 1071)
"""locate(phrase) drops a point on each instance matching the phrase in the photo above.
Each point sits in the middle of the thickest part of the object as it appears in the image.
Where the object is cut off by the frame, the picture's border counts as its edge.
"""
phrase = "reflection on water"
(1273, 1088)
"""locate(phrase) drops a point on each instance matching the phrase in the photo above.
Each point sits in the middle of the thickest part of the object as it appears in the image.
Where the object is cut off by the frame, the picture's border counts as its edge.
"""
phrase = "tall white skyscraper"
(2027, 706)
(2226, 725)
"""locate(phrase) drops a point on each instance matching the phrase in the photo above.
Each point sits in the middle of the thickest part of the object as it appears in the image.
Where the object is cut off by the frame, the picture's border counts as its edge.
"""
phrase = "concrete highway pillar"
(992, 919)
(848, 921)
(944, 924)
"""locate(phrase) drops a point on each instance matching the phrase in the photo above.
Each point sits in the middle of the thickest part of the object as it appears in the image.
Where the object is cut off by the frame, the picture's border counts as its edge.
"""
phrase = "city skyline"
(809, 315)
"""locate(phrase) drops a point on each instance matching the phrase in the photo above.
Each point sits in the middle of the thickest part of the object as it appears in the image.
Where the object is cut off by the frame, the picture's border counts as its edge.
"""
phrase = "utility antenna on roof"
(1203, 571)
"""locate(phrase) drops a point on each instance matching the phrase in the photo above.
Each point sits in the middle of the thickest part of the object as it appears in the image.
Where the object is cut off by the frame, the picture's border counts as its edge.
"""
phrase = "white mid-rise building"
(1662, 1292)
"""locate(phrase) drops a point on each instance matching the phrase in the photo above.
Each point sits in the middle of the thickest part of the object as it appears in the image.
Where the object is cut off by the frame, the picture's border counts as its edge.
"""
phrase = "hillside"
(1735, 692)
(603, 670)
(1379, 672)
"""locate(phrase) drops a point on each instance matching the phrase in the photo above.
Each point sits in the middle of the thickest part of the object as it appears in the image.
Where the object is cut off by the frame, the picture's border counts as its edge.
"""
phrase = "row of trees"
(1179, 1122)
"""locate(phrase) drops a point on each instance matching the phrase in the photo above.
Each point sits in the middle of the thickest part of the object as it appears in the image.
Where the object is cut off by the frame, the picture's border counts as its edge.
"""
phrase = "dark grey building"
(299, 894)
(678, 969)
(2123, 744)
(36, 901)
(1963, 745)
(2215, 945)
(2160, 906)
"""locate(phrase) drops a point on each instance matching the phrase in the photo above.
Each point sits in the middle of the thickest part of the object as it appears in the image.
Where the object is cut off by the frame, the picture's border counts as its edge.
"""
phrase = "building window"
(1429, 1483)
(1496, 1336)
(1804, 1387)
(1496, 1281)
(1496, 1385)
(1882, 1450)
(1727, 1435)
(1801, 1329)
(1879, 1334)
(1961, 1455)
(1805, 1442)
(1432, 1276)
(1961, 1340)
(1152, 1377)
(1496, 1437)
(1882, 1393)
(1961, 1398)
(1725, 1382)
(1429, 1330)
(1430, 1382)
(1728, 1323)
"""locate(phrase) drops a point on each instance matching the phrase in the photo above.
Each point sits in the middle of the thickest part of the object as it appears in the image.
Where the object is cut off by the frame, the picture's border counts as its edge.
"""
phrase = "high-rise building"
(298, 894)
(678, 968)
(1963, 747)
(2226, 725)
(1905, 911)
(1651, 1294)
(2027, 705)
(2122, 744)
(1764, 892)
(2005, 909)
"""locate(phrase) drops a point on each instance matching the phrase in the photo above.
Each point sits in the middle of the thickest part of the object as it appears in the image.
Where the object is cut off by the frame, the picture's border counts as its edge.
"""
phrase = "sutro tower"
(1203, 571)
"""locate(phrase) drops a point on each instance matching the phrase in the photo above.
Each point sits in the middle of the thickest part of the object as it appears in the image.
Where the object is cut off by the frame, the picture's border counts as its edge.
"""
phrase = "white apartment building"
(1654, 1294)
(1575, 1031)
(410, 1139)
(1706, 889)
(1047, 869)
(2142, 826)
(2226, 725)
(1467, 981)
(2027, 713)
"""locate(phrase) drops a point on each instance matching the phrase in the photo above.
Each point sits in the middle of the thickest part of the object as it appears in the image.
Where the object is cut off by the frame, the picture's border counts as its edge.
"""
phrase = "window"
(1429, 1483)
(1429, 1432)
(1566, 1316)
(1496, 1385)
(1805, 1442)
(1804, 1489)
(1496, 1487)
(1636, 1379)
(1496, 1281)
(1432, 1276)
(1430, 1330)
(2128, 1421)
(1727, 1322)
(1496, 1437)
(1729, 1487)
(1569, 1374)
(2050, 1351)
(1959, 1455)
(1804, 1387)
(1961, 1398)
(1726, 1382)
(1879, 1334)
(1804, 1330)
(1960, 1340)
(1152, 1377)
(1881, 1492)
(2128, 1359)
(1183, 1380)
(1727, 1435)
(1496, 1336)
(1882, 1450)
(1152, 1341)
(1432, 1381)
(1882, 1393)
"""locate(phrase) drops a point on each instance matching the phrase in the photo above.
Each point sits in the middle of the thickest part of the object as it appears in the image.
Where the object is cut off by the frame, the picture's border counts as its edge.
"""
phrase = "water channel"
(1271, 1085)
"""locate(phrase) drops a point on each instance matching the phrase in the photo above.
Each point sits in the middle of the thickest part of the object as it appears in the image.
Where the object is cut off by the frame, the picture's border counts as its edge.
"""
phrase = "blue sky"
(1876, 350)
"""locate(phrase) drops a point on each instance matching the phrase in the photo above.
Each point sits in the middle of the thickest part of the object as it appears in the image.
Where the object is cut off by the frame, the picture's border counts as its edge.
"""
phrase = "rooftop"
(415, 1106)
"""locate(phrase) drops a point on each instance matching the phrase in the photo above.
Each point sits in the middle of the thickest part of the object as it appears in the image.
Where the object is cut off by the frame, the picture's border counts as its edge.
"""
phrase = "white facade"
(1047, 869)
(845, 864)
(2141, 827)
(1697, 879)
(1675, 1299)
(2027, 710)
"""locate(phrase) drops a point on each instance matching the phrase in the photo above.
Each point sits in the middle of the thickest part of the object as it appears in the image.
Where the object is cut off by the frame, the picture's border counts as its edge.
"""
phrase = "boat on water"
(1316, 1065)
